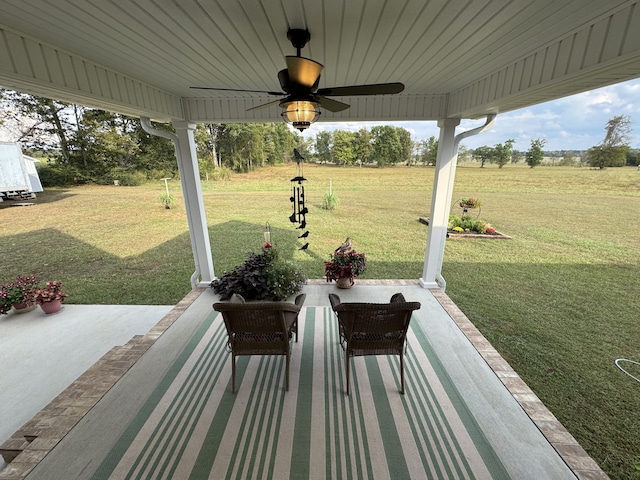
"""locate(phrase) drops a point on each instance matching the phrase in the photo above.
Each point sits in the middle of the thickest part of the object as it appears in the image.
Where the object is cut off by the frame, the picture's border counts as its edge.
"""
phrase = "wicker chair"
(260, 328)
(374, 328)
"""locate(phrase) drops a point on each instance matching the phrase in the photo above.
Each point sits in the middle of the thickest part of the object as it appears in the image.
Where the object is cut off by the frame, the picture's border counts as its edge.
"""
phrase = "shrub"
(329, 201)
(263, 276)
(466, 223)
(220, 174)
(284, 278)
(127, 178)
(57, 175)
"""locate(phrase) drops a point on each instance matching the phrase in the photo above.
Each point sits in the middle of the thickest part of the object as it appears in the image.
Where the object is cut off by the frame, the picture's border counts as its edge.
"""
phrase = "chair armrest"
(335, 301)
(300, 300)
(397, 298)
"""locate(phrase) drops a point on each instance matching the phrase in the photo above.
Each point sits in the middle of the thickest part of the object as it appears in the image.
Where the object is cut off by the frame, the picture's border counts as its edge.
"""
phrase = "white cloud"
(571, 123)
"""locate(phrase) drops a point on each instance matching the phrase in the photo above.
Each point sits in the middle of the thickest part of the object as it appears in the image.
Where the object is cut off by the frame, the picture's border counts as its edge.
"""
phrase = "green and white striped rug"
(192, 426)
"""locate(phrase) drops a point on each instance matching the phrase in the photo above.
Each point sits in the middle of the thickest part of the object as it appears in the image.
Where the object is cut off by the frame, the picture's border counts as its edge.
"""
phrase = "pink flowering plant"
(345, 264)
(5, 304)
(52, 291)
(21, 291)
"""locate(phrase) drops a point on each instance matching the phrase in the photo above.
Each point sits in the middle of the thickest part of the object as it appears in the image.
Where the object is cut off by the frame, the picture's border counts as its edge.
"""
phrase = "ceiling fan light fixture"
(300, 113)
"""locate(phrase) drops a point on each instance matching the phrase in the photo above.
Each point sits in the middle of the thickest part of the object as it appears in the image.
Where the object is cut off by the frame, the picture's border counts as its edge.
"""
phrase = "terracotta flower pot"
(345, 282)
(23, 307)
(51, 307)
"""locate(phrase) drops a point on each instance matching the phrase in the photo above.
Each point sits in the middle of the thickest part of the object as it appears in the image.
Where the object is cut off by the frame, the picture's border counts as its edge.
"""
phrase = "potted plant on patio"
(50, 297)
(19, 294)
(344, 265)
(263, 276)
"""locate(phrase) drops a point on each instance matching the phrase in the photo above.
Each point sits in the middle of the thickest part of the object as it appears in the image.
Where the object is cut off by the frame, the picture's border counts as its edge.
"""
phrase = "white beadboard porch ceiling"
(457, 58)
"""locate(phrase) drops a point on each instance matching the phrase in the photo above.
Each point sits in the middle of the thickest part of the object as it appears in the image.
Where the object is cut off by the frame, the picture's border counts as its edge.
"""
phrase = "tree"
(241, 146)
(612, 151)
(305, 147)
(88, 145)
(106, 142)
(324, 141)
(364, 149)
(535, 154)
(633, 157)
(503, 153)
(40, 123)
(484, 154)
(406, 145)
(280, 141)
(344, 147)
(427, 151)
(206, 137)
(568, 159)
(464, 155)
(387, 147)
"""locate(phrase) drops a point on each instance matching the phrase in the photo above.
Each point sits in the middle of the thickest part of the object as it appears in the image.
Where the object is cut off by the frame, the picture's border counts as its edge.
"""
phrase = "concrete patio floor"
(528, 439)
(41, 355)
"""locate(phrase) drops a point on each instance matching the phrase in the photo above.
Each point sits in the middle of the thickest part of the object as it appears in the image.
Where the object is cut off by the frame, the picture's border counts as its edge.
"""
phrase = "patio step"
(76, 400)
(12, 447)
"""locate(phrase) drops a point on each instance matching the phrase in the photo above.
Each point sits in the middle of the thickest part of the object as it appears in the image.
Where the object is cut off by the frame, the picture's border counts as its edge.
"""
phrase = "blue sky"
(571, 123)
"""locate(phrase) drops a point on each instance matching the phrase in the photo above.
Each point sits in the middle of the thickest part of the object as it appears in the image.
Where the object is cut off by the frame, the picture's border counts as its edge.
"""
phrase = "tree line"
(85, 145)
(613, 151)
(383, 145)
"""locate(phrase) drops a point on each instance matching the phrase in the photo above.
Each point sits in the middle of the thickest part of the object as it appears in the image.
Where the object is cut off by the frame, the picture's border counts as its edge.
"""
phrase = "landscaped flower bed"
(459, 232)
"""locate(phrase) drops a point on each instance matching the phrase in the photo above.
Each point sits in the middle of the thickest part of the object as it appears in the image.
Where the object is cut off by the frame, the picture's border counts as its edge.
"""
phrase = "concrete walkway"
(40, 355)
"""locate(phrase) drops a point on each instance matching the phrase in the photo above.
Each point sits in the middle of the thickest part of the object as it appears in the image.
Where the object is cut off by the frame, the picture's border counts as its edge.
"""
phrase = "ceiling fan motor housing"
(298, 37)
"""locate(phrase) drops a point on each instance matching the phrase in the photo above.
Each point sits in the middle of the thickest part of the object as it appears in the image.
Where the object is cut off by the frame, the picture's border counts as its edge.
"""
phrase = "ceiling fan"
(299, 83)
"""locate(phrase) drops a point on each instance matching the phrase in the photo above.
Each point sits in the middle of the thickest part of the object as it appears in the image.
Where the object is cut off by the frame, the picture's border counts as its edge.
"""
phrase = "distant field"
(560, 301)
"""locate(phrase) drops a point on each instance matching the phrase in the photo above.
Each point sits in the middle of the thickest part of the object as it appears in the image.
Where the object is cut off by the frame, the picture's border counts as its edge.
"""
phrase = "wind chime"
(297, 198)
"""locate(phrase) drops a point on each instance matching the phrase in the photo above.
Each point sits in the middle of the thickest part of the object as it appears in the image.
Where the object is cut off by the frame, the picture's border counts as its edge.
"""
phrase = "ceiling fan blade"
(303, 71)
(330, 104)
(353, 90)
(264, 105)
(236, 90)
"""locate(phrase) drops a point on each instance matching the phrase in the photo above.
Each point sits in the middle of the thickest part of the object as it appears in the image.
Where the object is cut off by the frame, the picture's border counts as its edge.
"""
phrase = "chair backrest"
(259, 317)
(374, 322)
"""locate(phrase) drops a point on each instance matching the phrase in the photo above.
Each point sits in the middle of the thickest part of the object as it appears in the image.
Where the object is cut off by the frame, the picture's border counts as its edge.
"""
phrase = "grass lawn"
(559, 301)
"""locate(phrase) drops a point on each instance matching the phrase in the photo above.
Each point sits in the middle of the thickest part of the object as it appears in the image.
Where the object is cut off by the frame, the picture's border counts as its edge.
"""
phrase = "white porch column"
(194, 204)
(440, 204)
